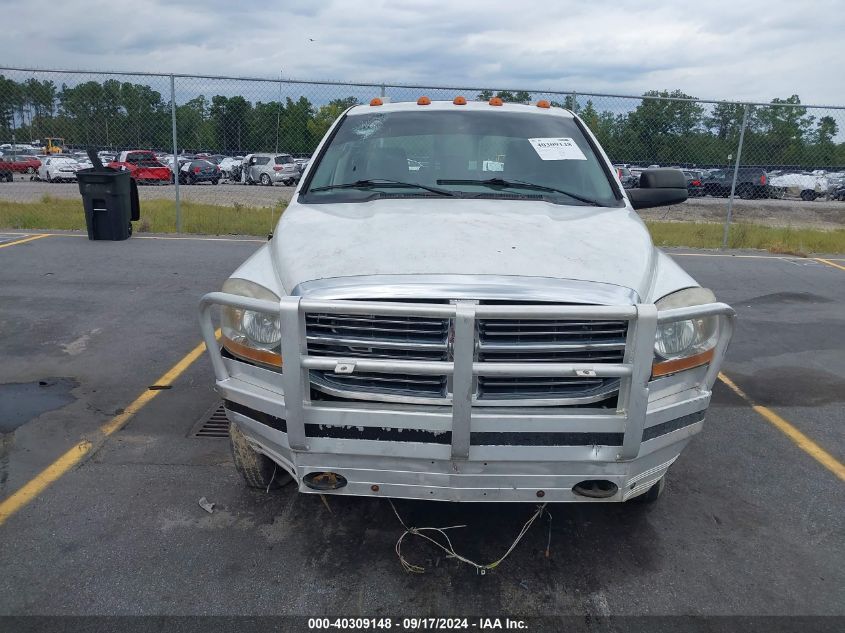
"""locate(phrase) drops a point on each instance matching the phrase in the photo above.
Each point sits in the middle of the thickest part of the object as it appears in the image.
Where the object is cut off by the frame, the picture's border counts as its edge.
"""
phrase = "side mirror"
(658, 188)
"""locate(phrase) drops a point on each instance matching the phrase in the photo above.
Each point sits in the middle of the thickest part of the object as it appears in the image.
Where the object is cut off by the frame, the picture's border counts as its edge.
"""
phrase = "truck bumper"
(463, 452)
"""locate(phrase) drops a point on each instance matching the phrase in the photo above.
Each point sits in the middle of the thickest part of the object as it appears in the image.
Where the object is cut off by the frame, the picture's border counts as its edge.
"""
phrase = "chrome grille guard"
(634, 371)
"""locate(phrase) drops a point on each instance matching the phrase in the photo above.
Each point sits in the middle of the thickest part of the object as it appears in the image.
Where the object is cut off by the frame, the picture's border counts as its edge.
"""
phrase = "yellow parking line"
(80, 451)
(26, 239)
(829, 263)
(798, 438)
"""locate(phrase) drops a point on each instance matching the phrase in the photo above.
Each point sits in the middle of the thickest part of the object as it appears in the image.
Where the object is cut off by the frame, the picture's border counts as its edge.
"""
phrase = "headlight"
(254, 336)
(685, 344)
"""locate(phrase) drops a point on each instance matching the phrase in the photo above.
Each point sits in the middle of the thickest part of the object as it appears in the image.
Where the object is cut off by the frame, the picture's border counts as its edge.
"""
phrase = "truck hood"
(466, 237)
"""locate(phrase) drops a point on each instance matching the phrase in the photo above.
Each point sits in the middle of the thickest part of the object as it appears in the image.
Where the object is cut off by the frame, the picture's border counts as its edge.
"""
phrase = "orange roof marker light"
(423, 101)
(459, 100)
(542, 103)
(496, 101)
(376, 101)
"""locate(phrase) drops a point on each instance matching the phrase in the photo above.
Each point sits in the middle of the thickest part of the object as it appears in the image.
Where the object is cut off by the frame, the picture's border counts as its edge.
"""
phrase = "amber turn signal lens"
(496, 101)
(423, 101)
(542, 103)
(258, 355)
(376, 101)
(672, 366)
(460, 100)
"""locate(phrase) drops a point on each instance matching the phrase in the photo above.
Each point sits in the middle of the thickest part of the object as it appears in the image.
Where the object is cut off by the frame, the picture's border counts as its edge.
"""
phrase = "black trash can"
(110, 197)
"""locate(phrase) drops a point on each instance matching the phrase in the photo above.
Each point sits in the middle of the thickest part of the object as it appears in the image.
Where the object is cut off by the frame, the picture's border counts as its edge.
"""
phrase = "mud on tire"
(257, 470)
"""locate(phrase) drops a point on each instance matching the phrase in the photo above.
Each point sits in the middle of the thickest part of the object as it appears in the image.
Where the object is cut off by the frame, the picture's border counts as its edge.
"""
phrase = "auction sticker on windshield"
(557, 149)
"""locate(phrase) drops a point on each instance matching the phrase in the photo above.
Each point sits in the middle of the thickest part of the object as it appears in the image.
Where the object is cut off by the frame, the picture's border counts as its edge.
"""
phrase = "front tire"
(214, 181)
(653, 493)
(265, 180)
(257, 470)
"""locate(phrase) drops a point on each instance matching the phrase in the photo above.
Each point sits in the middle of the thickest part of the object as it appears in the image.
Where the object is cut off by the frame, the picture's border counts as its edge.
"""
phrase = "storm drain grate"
(213, 424)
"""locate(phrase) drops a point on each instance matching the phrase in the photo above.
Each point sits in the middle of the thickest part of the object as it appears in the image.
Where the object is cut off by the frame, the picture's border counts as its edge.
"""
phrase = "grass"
(159, 216)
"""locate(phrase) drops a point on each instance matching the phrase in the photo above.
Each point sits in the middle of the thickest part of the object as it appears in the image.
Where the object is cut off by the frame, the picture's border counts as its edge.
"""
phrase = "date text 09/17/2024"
(415, 624)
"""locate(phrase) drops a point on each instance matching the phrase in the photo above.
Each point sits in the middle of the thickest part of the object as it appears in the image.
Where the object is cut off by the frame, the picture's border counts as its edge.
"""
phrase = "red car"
(18, 164)
(25, 164)
(143, 166)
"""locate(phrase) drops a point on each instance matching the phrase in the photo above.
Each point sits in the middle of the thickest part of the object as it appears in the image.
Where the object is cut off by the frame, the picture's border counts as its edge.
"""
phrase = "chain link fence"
(757, 154)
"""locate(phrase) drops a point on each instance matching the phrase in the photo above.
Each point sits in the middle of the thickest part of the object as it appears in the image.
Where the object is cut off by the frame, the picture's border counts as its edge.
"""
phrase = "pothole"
(21, 402)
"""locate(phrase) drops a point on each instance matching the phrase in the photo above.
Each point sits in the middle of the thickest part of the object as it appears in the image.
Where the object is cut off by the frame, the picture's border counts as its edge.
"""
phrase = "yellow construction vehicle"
(54, 145)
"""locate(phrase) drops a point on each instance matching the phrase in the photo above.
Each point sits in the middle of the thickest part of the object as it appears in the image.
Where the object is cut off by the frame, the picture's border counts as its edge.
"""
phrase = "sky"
(740, 49)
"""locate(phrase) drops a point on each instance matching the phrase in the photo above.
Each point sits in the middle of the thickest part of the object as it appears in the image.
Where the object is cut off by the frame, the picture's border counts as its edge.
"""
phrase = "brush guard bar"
(634, 371)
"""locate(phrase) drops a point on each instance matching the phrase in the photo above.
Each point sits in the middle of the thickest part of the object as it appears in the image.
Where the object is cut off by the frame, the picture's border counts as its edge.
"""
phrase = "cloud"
(752, 50)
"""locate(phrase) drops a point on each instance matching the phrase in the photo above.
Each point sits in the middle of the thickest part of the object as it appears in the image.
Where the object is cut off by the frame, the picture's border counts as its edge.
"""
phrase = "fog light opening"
(595, 488)
(324, 481)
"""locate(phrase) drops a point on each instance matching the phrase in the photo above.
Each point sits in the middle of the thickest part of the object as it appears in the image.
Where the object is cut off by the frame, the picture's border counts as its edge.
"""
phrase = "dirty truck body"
(450, 333)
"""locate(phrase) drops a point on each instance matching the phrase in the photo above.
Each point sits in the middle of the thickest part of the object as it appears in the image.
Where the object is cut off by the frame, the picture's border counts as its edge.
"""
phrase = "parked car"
(751, 182)
(143, 167)
(226, 165)
(58, 168)
(266, 169)
(806, 185)
(694, 186)
(7, 168)
(197, 171)
(24, 164)
(453, 335)
(628, 179)
(302, 163)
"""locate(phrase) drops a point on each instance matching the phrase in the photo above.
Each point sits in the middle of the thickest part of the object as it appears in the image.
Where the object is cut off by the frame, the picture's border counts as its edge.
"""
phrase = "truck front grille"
(547, 341)
(347, 336)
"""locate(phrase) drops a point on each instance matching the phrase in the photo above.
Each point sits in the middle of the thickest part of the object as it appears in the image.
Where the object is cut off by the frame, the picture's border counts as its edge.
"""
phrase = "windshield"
(468, 153)
(143, 158)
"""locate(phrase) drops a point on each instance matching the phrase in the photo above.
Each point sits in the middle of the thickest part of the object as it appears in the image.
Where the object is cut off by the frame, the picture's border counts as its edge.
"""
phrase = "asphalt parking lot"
(751, 522)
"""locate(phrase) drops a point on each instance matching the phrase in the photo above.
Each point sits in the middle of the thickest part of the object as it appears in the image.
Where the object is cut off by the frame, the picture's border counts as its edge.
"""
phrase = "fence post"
(733, 182)
(175, 165)
(278, 112)
(383, 91)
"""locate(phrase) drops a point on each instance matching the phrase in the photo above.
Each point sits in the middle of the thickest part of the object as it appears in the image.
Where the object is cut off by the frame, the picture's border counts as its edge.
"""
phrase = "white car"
(227, 164)
(58, 169)
(462, 334)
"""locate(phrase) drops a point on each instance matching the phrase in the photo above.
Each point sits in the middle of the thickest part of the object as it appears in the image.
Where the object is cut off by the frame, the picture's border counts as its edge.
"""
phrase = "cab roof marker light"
(459, 100)
(375, 101)
(542, 103)
(423, 101)
(496, 101)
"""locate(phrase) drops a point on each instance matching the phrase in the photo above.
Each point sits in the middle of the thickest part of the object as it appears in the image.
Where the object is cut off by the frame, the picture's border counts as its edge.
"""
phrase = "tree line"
(114, 114)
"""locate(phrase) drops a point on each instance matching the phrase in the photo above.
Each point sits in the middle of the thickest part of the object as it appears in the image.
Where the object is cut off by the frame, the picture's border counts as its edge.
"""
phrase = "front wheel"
(30, 170)
(257, 470)
(265, 180)
(653, 493)
(214, 181)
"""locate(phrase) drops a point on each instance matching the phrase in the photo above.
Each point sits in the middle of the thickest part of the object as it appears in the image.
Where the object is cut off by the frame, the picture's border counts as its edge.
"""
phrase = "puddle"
(23, 401)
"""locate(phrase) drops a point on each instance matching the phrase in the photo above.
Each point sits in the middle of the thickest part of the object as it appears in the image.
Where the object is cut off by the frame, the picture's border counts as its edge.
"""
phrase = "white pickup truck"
(464, 334)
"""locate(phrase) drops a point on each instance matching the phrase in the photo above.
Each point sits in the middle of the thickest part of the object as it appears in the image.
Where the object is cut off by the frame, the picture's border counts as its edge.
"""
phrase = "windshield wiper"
(499, 182)
(371, 183)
